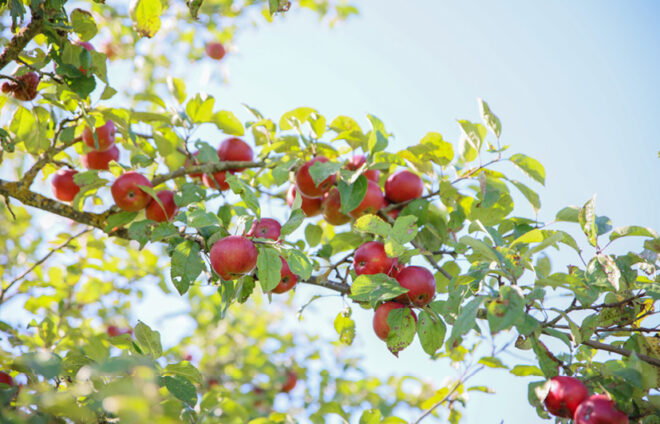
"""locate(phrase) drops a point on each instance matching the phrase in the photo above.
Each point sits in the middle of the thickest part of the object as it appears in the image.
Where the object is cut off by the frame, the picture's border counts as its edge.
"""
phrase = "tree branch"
(207, 168)
(328, 284)
(621, 351)
(16, 45)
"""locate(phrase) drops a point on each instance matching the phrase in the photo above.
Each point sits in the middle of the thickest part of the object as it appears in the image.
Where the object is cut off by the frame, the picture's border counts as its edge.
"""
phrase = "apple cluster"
(568, 397)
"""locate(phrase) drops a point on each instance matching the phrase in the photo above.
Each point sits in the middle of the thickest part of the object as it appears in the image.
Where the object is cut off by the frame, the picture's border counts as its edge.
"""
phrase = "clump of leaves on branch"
(427, 237)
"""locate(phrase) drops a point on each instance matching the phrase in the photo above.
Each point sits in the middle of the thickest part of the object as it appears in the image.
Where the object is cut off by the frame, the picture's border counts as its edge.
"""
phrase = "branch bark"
(19, 41)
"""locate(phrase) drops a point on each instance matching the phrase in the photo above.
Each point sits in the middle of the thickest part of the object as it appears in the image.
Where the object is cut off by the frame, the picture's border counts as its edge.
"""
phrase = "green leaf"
(148, 340)
(184, 369)
(548, 365)
(587, 218)
(375, 288)
(490, 120)
(473, 133)
(531, 196)
(431, 332)
(633, 230)
(402, 330)
(245, 191)
(313, 234)
(83, 24)
(187, 264)
(178, 88)
(145, 15)
(568, 214)
(526, 371)
(404, 229)
(139, 231)
(492, 362)
(374, 225)
(118, 220)
(181, 388)
(529, 166)
(299, 264)
(228, 123)
(319, 171)
(188, 193)
(295, 219)
(352, 194)
(611, 270)
(345, 326)
(371, 416)
(269, 267)
(467, 319)
(200, 108)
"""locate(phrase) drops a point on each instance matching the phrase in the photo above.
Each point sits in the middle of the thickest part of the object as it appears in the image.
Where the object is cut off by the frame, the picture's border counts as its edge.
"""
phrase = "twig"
(207, 168)
(5, 289)
(621, 351)
(20, 40)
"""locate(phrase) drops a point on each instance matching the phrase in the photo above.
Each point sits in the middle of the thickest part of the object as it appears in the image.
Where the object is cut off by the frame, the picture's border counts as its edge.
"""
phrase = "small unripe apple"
(105, 135)
(381, 327)
(305, 183)
(330, 206)
(373, 201)
(215, 50)
(356, 162)
(599, 409)
(370, 258)
(26, 88)
(288, 279)
(420, 284)
(310, 207)
(403, 186)
(265, 228)
(64, 187)
(6, 379)
(233, 256)
(128, 195)
(165, 213)
(290, 383)
(100, 160)
(114, 331)
(191, 163)
(218, 181)
(235, 150)
(565, 395)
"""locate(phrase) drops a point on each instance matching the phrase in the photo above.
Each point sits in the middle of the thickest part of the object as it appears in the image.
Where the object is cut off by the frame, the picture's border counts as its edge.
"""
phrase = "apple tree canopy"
(67, 136)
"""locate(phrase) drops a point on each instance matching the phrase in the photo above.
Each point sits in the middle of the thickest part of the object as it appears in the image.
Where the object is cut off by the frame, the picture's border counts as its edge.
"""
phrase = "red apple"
(393, 213)
(105, 135)
(265, 228)
(356, 162)
(25, 87)
(213, 382)
(114, 331)
(126, 193)
(599, 409)
(64, 187)
(311, 207)
(305, 183)
(235, 150)
(110, 50)
(373, 201)
(403, 186)
(291, 380)
(420, 284)
(288, 279)
(233, 256)
(156, 213)
(217, 181)
(215, 50)
(191, 163)
(100, 159)
(381, 327)
(370, 258)
(6, 379)
(565, 394)
(330, 206)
